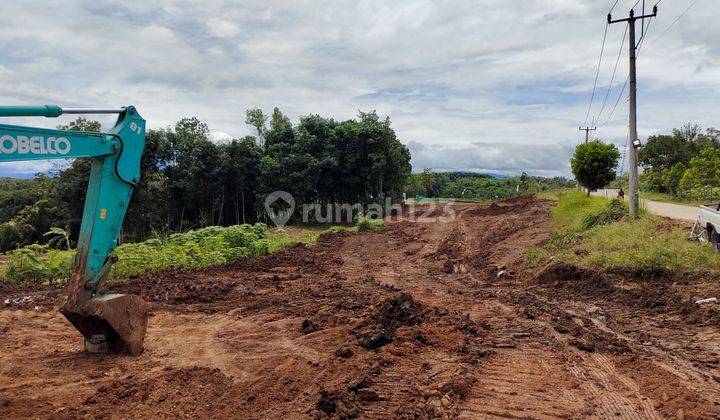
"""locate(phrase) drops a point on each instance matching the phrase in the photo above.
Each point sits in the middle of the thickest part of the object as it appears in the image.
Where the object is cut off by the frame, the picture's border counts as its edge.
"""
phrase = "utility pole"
(633, 139)
(587, 131)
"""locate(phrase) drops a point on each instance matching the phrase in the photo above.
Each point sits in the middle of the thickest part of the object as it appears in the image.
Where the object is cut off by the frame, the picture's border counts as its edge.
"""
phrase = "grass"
(285, 236)
(594, 232)
(189, 250)
(645, 246)
(535, 256)
(553, 194)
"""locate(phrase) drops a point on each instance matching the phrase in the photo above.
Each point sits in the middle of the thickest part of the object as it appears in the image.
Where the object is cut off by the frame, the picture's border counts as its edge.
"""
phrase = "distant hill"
(497, 176)
(454, 175)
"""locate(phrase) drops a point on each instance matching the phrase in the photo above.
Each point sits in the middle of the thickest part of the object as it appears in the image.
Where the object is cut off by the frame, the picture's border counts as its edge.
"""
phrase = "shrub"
(193, 249)
(33, 265)
(613, 211)
(572, 207)
(363, 223)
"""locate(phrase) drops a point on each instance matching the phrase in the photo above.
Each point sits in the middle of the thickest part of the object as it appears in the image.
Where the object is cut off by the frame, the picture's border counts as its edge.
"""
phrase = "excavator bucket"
(111, 323)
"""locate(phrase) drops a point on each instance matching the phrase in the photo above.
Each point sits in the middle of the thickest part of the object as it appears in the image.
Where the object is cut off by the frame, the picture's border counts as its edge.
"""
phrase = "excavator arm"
(109, 322)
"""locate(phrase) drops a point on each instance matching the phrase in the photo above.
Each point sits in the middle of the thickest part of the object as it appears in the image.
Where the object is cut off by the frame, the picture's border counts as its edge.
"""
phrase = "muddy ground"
(411, 322)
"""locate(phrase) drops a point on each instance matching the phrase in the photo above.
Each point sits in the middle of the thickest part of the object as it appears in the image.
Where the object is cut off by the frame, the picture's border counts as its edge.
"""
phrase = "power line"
(612, 79)
(587, 131)
(644, 32)
(642, 37)
(616, 102)
(602, 49)
(624, 85)
(674, 21)
(639, 47)
(597, 73)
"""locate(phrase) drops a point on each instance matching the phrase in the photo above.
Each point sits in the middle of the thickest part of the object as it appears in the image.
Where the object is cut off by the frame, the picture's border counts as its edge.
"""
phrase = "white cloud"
(222, 28)
(219, 137)
(514, 76)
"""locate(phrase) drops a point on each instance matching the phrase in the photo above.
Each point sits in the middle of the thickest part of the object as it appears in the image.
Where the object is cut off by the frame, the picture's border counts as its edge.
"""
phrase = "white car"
(709, 220)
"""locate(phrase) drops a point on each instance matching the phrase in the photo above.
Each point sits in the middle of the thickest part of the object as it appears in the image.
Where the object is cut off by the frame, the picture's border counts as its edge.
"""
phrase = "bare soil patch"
(413, 321)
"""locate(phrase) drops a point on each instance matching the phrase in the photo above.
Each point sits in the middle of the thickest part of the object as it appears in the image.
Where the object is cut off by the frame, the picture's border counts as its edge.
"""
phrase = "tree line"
(685, 164)
(475, 186)
(188, 181)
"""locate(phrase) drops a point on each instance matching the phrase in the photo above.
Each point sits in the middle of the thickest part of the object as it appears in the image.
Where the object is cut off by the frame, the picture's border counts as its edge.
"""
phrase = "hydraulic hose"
(117, 159)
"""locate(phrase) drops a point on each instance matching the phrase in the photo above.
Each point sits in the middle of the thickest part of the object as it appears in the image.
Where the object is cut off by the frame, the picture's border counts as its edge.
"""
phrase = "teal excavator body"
(109, 322)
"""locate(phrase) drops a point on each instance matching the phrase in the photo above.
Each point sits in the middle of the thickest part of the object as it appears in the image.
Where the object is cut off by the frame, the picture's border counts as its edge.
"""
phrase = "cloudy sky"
(492, 85)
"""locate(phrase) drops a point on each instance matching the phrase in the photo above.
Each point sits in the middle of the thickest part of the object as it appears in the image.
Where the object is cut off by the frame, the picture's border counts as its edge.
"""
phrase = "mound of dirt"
(566, 276)
(397, 311)
(510, 205)
(658, 294)
(175, 287)
(452, 244)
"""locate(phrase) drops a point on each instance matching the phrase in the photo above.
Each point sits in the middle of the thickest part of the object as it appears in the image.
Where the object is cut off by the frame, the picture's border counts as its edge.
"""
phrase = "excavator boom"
(109, 322)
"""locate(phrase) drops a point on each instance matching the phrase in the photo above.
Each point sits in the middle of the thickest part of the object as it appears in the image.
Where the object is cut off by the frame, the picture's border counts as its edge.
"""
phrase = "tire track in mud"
(412, 321)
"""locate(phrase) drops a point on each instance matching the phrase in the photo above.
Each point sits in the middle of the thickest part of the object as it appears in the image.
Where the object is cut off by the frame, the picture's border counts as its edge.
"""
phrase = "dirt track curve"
(411, 322)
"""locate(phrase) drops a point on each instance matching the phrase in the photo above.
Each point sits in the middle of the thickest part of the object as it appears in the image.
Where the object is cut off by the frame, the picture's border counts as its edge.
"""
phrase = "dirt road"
(422, 320)
(673, 211)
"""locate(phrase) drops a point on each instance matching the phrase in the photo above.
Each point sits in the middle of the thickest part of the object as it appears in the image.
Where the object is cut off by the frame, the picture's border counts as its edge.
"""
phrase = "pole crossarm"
(632, 16)
(587, 131)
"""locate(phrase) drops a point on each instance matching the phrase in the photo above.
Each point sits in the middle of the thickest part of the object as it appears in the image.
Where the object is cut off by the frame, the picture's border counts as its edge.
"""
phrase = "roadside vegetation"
(623, 182)
(594, 232)
(199, 248)
(682, 167)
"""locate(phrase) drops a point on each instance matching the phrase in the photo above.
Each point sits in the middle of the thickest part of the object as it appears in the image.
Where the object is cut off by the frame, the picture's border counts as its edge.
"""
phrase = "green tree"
(192, 180)
(82, 124)
(704, 170)
(652, 180)
(189, 181)
(149, 212)
(256, 118)
(663, 152)
(422, 183)
(27, 226)
(594, 164)
(239, 173)
(672, 178)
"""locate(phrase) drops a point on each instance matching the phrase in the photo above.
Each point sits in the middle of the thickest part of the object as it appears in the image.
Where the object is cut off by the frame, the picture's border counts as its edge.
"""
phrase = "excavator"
(108, 322)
